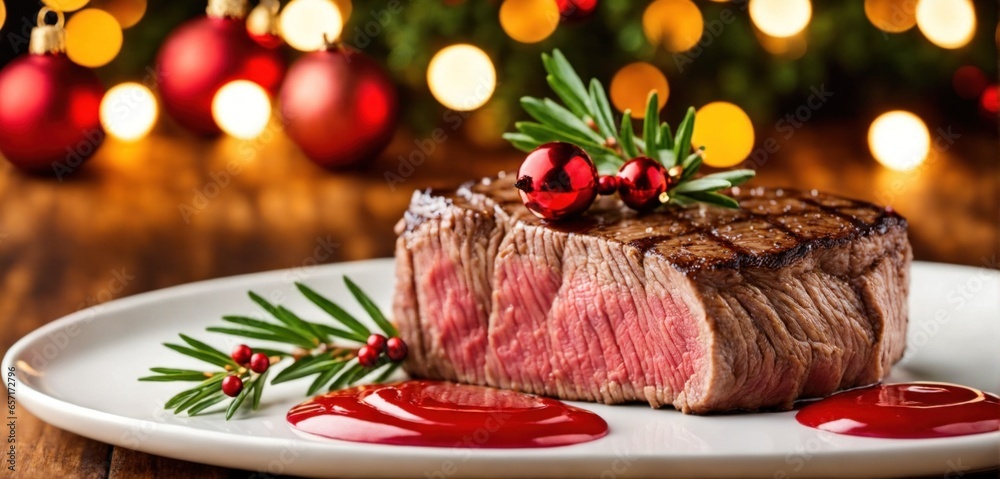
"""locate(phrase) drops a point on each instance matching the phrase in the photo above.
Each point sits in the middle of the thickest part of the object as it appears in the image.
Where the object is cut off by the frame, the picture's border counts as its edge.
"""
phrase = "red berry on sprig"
(557, 180)
(259, 363)
(642, 182)
(232, 386)
(396, 349)
(377, 342)
(241, 354)
(368, 356)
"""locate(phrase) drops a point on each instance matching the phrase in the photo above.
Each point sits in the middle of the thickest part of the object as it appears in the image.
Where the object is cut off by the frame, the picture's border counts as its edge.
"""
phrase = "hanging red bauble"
(641, 181)
(204, 54)
(49, 118)
(576, 10)
(557, 180)
(339, 106)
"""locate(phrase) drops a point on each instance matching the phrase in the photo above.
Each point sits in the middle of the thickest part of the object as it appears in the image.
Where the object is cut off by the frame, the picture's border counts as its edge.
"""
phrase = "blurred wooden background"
(174, 209)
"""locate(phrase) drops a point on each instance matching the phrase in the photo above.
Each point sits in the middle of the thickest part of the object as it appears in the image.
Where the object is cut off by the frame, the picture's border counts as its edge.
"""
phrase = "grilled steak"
(796, 295)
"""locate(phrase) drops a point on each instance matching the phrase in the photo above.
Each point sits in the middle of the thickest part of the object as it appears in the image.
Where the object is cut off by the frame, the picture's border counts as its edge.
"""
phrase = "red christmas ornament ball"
(607, 185)
(557, 180)
(339, 106)
(200, 57)
(49, 113)
(576, 10)
(641, 181)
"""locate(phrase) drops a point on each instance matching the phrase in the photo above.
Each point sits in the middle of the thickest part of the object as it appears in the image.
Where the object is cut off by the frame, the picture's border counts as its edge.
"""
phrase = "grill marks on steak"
(795, 295)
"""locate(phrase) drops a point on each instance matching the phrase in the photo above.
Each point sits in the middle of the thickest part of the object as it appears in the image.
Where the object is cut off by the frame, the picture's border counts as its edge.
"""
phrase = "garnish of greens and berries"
(336, 354)
(578, 151)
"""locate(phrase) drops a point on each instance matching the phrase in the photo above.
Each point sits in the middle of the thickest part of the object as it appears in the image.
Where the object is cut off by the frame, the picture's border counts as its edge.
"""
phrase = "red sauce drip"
(904, 411)
(440, 414)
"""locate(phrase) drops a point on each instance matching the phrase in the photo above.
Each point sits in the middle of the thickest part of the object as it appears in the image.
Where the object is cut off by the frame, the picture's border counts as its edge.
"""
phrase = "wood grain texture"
(174, 209)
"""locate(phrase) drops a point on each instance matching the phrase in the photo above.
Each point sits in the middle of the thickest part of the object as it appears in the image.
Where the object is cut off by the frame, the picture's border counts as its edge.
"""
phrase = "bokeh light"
(630, 88)
(780, 18)
(893, 16)
(93, 37)
(789, 48)
(899, 140)
(304, 23)
(127, 12)
(461, 77)
(345, 7)
(725, 131)
(3, 13)
(676, 25)
(969, 81)
(128, 111)
(65, 5)
(947, 23)
(242, 109)
(990, 99)
(529, 21)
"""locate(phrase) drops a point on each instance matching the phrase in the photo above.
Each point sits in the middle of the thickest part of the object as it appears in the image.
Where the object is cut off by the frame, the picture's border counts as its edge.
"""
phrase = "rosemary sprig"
(313, 353)
(587, 121)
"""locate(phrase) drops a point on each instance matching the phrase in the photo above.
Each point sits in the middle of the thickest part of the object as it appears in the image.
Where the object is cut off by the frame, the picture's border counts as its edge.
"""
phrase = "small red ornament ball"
(339, 106)
(259, 363)
(557, 180)
(232, 386)
(641, 181)
(200, 57)
(368, 356)
(607, 185)
(377, 342)
(49, 113)
(396, 349)
(241, 354)
(576, 10)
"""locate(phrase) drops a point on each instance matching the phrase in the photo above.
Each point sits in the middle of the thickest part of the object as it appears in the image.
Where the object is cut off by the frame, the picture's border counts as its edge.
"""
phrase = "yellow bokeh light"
(789, 48)
(3, 13)
(345, 7)
(305, 23)
(947, 23)
(899, 140)
(461, 77)
(65, 5)
(242, 109)
(93, 38)
(128, 111)
(630, 88)
(780, 18)
(676, 25)
(725, 131)
(127, 12)
(893, 16)
(529, 21)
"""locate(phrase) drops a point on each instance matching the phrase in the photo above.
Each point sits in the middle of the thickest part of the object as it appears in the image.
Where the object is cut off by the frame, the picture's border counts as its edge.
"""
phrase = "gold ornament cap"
(263, 19)
(227, 8)
(47, 38)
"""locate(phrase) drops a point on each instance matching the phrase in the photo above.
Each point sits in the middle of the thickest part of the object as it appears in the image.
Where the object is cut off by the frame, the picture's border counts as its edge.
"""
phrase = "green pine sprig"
(585, 119)
(313, 353)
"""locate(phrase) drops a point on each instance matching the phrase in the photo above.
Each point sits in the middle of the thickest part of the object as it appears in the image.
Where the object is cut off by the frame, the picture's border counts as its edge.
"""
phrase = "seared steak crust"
(797, 294)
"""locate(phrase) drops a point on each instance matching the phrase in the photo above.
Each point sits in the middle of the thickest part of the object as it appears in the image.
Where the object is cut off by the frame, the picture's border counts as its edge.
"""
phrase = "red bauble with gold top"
(339, 106)
(204, 54)
(49, 106)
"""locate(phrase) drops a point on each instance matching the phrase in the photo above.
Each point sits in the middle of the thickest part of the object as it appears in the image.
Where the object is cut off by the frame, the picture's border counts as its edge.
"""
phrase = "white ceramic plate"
(79, 373)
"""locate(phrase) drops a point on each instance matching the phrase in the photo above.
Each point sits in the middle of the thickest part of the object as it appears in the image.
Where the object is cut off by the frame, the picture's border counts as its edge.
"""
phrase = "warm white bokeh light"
(305, 23)
(461, 77)
(780, 18)
(899, 140)
(128, 111)
(242, 109)
(947, 23)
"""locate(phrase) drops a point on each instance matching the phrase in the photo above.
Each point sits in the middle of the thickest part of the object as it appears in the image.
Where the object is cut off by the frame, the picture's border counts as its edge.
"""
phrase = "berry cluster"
(232, 385)
(369, 355)
(559, 180)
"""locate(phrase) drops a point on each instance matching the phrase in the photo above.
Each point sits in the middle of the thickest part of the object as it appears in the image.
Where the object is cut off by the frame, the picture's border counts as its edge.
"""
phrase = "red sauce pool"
(441, 414)
(905, 411)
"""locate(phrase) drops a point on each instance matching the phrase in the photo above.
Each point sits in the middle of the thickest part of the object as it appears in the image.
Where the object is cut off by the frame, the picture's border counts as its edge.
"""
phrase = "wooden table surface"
(167, 211)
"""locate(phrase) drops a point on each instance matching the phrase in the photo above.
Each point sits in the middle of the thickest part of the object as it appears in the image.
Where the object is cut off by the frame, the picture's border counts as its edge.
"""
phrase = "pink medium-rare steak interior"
(796, 295)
